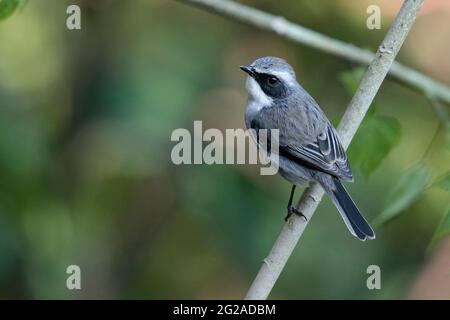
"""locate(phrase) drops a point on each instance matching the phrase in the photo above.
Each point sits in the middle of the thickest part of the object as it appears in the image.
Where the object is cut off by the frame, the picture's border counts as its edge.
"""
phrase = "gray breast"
(252, 111)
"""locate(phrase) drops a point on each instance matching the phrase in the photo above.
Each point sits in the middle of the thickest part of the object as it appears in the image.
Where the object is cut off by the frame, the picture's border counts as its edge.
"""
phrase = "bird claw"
(293, 210)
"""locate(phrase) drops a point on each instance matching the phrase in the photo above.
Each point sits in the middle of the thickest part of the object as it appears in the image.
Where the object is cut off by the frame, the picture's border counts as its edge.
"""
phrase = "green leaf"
(410, 185)
(447, 137)
(442, 230)
(372, 143)
(377, 134)
(351, 79)
(443, 182)
(8, 7)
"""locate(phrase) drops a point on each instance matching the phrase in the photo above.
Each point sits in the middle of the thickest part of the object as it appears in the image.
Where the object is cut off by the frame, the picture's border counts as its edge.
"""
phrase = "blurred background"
(86, 176)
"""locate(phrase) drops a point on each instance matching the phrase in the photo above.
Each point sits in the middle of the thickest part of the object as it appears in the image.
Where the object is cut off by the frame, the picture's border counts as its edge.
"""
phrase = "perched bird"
(309, 146)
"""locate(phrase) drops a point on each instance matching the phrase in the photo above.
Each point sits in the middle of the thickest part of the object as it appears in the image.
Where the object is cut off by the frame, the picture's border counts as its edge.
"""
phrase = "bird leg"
(291, 209)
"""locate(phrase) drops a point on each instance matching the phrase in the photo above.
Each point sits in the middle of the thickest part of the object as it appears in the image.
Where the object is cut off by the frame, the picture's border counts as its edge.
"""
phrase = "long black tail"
(354, 220)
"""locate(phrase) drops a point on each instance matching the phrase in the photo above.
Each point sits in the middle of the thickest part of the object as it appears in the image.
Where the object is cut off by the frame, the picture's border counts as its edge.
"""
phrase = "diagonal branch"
(380, 64)
(297, 33)
(371, 82)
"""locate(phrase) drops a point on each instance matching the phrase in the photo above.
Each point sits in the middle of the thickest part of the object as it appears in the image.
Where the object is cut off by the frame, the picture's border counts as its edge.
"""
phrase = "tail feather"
(353, 218)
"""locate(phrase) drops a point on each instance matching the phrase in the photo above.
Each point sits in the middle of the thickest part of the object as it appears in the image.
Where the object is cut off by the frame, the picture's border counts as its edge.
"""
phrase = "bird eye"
(272, 80)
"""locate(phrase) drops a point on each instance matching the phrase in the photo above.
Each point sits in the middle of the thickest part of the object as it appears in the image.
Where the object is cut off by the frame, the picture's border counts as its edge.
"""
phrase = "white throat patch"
(256, 96)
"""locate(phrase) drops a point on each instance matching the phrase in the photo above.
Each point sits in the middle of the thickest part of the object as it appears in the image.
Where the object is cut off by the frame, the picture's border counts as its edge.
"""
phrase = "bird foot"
(293, 210)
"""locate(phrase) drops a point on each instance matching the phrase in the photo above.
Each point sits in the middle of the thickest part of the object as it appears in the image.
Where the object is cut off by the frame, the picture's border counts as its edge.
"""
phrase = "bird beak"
(247, 69)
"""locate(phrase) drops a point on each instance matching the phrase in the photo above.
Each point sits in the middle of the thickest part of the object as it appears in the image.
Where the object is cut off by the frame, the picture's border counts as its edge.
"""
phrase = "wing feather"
(325, 154)
(306, 136)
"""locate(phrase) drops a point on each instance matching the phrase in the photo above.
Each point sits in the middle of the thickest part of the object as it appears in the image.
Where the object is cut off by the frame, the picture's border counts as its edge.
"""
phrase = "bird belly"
(294, 172)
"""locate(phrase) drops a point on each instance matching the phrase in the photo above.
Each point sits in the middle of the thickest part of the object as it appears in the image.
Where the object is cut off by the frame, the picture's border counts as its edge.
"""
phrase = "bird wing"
(325, 153)
(306, 137)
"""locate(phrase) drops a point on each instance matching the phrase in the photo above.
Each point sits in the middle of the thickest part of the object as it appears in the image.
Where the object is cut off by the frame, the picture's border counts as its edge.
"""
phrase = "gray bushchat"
(309, 146)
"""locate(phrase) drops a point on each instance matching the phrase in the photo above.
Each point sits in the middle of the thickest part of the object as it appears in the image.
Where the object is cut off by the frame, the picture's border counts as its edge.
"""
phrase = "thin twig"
(440, 111)
(443, 121)
(299, 34)
(430, 146)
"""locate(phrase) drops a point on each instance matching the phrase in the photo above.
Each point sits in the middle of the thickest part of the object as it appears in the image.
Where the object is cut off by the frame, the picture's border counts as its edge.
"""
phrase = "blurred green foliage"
(373, 142)
(86, 177)
(8, 7)
(377, 134)
(409, 186)
(443, 228)
(444, 182)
